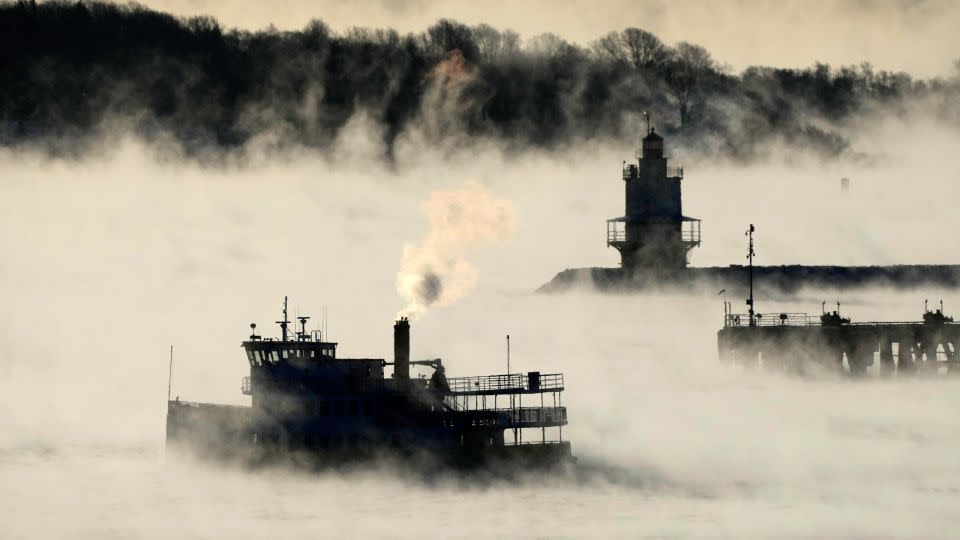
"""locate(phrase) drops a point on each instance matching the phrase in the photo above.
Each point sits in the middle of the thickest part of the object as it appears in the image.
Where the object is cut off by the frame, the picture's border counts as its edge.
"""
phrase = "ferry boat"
(313, 407)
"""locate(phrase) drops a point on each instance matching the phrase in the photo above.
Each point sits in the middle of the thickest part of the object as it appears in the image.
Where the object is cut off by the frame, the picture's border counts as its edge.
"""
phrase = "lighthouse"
(653, 234)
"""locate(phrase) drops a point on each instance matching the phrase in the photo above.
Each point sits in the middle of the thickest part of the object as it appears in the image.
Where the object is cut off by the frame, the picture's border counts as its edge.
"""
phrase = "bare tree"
(548, 45)
(632, 46)
(643, 48)
(359, 34)
(609, 48)
(687, 66)
(448, 35)
(493, 44)
(509, 43)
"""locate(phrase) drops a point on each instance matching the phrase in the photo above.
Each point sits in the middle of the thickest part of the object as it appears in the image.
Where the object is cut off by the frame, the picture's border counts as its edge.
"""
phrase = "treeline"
(73, 71)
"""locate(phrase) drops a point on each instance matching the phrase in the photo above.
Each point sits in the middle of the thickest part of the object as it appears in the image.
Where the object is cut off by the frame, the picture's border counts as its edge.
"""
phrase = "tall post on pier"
(750, 254)
(170, 373)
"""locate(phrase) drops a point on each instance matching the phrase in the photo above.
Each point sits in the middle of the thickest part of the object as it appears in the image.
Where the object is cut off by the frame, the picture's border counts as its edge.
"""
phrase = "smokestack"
(401, 349)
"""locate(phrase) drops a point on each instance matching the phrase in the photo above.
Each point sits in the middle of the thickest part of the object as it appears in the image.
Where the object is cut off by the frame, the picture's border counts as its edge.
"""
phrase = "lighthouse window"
(367, 407)
(354, 407)
(338, 407)
(324, 407)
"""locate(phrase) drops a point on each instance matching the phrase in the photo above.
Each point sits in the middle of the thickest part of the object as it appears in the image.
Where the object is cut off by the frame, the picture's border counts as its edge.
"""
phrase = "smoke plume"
(436, 271)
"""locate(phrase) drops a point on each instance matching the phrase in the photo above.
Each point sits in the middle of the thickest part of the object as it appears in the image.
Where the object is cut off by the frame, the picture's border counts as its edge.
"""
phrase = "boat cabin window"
(303, 353)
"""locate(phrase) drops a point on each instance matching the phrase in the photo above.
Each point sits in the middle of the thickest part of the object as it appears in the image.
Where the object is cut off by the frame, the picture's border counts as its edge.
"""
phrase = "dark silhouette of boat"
(313, 407)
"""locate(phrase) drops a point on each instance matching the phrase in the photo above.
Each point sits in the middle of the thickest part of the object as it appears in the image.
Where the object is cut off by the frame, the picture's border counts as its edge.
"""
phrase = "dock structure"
(797, 342)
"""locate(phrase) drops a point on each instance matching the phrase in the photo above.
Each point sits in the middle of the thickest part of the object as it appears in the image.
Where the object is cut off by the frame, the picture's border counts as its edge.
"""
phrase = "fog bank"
(110, 261)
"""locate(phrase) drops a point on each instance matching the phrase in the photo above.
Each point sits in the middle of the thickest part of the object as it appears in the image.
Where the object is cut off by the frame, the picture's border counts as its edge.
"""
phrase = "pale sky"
(917, 36)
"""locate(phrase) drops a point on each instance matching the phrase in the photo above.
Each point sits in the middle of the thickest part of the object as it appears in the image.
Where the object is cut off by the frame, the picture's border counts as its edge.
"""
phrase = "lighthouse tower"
(653, 235)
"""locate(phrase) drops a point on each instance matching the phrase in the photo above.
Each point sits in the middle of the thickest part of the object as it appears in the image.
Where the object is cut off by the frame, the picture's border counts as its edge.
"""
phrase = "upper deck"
(532, 382)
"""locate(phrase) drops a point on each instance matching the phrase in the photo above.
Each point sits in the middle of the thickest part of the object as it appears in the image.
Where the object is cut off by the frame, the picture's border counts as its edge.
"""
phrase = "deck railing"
(690, 232)
(616, 231)
(773, 319)
(537, 415)
(522, 417)
(804, 319)
(513, 383)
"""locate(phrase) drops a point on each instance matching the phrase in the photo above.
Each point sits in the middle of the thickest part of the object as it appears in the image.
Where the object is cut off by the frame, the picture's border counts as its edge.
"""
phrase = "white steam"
(436, 271)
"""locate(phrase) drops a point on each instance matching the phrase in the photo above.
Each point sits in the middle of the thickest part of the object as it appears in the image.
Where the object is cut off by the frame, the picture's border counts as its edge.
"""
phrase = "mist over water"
(109, 261)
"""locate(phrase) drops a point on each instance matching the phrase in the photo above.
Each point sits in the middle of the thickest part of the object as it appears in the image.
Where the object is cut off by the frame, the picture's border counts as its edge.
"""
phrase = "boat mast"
(283, 324)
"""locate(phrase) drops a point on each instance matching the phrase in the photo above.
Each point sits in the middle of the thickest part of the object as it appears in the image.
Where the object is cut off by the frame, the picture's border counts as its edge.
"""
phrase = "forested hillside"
(74, 71)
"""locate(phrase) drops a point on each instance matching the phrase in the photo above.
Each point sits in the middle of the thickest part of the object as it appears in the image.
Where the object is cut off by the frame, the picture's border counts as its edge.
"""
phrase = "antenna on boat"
(303, 326)
(750, 254)
(283, 324)
(170, 373)
(508, 354)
